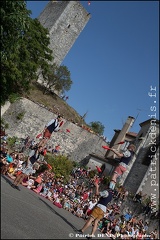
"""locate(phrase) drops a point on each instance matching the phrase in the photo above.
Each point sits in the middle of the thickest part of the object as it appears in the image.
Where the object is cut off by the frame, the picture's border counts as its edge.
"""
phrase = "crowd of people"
(100, 208)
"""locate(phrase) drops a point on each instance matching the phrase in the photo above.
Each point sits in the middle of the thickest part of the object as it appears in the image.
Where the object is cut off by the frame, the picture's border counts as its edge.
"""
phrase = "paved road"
(27, 215)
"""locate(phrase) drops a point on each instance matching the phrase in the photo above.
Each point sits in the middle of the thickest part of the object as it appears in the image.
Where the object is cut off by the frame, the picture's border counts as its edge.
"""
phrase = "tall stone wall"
(28, 118)
(65, 20)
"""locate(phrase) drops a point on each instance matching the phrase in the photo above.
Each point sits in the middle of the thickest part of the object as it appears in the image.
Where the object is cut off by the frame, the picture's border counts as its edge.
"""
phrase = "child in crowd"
(25, 173)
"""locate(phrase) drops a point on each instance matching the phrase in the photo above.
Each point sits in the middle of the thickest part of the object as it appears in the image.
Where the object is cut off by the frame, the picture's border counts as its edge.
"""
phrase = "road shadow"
(55, 212)
(7, 179)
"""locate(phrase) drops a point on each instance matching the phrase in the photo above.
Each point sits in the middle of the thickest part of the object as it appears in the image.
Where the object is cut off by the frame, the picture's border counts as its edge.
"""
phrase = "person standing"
(125, 158)
(98, 210)
(34, 156)
(52, 126)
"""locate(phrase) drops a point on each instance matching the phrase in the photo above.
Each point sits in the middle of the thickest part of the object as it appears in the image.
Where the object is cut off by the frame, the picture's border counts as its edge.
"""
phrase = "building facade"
(143, 170)
(143, 174)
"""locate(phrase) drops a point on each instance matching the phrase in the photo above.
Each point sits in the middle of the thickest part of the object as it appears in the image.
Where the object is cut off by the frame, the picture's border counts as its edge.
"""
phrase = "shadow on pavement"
(64, 219)
(7, 179)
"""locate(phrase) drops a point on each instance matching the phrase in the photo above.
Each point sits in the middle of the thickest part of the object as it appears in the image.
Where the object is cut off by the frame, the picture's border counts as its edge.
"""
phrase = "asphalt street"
(27, 215)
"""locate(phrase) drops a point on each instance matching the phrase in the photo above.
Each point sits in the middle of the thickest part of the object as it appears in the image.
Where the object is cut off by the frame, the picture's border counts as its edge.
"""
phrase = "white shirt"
(127, 153)
(91, 205)
(56, 124)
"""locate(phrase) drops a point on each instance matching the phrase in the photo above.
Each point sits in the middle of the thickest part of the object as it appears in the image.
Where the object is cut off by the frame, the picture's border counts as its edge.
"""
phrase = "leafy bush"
(14, 97)
(41, 169)
(92, 173)
(4, 124)
(106, 180)
(20, 115)
(11, 141)
(61, 165)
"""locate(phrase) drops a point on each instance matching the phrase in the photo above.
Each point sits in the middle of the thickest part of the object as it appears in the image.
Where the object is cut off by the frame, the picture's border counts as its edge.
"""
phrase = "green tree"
(57, 78)
(15, 21)
(61, 165)
(97, 127)
(26, 54)
(24, 49)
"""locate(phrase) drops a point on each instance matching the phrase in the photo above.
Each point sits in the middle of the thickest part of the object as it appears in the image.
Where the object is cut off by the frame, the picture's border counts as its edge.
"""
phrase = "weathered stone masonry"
(78, 143)
(65, 20)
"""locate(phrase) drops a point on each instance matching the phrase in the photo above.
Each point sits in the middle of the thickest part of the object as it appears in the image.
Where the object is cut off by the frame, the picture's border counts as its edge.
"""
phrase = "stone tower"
(65, 20)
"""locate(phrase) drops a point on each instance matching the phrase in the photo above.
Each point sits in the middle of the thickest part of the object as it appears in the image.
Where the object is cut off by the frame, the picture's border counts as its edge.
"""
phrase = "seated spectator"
(140, 224)
(67, 205)
(105, 227)
(116, 209)
(49, 149)
(134, 220)
(91, 204)
(154, 233)
(79, 211)
(120, 192)
(140, 234)
(45, 191)
(128, 216)
(38, 189)
(49, 194)
(23, 174)
(111, 216)
(19, 160)
(29, 183)
(109, 232)
(6, 163)
(3, 148)
(100, 225)
(5, 137)
(138, 197)
(11, 170)
(147, 208)
(125, 194)
(56, 149)
(57, 202)
(85, 195)
(117, 228)
(145, 227)
(38, 180)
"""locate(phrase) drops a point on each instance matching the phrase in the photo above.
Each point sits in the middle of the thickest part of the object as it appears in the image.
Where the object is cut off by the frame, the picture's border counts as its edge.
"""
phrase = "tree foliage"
(61, 165)
(25, 51)
(97, 127)
(15, 21)
(57, 78)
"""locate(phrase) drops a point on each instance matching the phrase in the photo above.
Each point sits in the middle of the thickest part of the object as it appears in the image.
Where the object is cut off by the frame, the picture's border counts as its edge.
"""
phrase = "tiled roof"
(132, 134)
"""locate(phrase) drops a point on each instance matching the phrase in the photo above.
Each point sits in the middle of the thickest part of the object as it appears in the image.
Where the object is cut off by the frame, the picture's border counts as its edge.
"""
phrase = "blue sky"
(114, 62)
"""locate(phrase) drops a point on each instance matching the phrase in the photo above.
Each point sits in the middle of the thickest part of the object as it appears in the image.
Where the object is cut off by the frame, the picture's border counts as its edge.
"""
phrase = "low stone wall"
(5, 107)
(25, 117)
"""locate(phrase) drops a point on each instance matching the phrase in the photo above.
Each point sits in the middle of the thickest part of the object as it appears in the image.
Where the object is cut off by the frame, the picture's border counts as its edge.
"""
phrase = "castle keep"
(65, 20)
